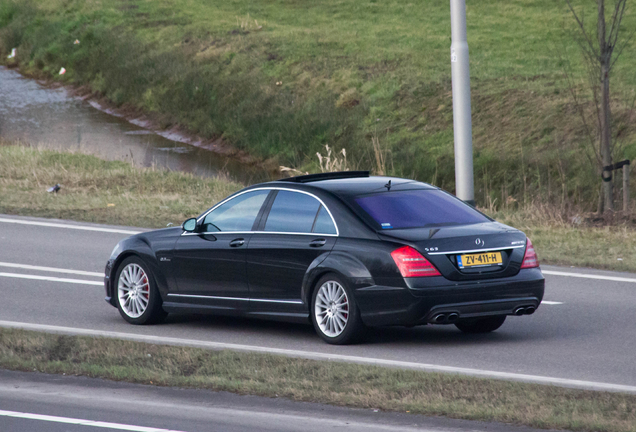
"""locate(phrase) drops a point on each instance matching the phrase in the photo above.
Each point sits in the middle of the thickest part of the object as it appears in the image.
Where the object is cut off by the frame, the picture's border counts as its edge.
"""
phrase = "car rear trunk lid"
(445, 247)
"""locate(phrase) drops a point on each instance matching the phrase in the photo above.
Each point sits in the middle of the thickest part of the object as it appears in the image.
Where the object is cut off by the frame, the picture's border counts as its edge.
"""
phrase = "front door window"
(237, 214)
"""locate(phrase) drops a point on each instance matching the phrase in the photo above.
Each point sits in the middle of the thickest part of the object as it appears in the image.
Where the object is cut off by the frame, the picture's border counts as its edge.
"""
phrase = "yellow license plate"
(479, 260)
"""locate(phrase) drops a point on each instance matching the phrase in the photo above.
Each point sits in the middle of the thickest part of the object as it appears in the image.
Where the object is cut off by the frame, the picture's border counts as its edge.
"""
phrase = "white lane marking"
(564, 382)
(548, 302)
(68, 226)
(247, 418)
(589, 276)
(50, 269)
(51, 279)
(81, 422)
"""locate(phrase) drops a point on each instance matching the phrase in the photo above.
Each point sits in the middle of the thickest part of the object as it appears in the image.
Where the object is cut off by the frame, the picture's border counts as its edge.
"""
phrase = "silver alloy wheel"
(133, 290)
(332, 308)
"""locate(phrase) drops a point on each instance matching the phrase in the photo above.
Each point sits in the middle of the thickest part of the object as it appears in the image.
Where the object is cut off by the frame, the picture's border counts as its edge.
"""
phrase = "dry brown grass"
(319, 381)
(571, 238)
(94, 190)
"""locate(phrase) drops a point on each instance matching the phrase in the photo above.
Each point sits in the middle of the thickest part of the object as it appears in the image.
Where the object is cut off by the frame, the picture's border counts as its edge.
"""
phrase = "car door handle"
(317, 243)
(237, 242)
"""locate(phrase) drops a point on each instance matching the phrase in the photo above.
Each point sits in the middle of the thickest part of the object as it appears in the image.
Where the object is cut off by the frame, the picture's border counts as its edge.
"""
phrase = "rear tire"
(136, 293)
(481, 325)
(334, 312)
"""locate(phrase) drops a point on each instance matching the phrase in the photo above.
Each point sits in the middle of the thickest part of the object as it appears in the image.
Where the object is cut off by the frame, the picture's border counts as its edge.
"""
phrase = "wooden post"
(626, 188)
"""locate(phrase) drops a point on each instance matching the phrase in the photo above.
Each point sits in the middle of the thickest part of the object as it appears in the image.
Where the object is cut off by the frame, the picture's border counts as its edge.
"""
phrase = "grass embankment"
(94, 190)
(609, 248)
(320, 381)
(560, 241)
(282, 78)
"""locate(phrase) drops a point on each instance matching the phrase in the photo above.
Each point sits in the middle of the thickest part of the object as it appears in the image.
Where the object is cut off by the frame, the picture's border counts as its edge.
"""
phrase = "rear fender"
(347, 267)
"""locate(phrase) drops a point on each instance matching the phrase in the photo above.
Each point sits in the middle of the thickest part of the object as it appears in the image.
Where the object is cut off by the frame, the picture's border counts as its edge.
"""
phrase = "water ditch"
(34, 113)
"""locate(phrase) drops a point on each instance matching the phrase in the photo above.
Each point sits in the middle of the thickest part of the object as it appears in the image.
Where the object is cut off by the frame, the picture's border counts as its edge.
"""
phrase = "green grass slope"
(282, 78)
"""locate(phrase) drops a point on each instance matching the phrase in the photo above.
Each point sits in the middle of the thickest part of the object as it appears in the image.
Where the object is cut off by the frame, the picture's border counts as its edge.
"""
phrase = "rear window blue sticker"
(386, 225)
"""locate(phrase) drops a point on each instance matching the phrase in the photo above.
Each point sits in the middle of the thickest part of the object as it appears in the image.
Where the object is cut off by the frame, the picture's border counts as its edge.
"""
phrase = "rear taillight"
(530, 259)
(412, 264)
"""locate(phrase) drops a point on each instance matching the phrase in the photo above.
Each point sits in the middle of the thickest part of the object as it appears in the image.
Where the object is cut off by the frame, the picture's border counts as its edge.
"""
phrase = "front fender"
(344, 265)
(137, 246)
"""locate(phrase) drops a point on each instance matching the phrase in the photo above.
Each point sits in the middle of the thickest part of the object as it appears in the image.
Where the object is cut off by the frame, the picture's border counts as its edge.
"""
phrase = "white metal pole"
(462, 124)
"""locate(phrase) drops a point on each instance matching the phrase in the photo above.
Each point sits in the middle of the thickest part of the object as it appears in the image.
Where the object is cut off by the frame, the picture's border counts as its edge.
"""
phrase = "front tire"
(334, 312)
(481, 325)
(136, 293)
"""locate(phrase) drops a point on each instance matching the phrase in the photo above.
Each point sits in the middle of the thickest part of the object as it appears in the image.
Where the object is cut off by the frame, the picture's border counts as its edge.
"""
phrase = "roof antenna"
(388, 186)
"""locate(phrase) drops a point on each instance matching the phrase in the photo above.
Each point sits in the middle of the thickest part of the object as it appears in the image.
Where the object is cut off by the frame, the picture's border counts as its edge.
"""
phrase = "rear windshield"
(418, 209)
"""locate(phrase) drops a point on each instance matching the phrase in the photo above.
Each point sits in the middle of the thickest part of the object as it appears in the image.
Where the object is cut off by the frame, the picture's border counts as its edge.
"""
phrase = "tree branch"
(617, 18)
(582, 27)
(626, 42)
(581, 111)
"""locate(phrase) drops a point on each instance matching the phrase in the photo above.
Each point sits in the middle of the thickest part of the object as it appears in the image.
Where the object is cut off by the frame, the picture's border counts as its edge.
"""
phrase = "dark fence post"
(606, 175)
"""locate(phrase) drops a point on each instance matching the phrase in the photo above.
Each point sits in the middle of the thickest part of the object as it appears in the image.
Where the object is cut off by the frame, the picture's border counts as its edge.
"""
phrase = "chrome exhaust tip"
(519, 311)
(530, 310)
(452, 317)
(440, 318)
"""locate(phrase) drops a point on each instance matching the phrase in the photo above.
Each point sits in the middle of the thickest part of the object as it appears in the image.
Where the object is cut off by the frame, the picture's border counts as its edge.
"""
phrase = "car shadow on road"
(438, 336)
(240, 324)
(431, 335)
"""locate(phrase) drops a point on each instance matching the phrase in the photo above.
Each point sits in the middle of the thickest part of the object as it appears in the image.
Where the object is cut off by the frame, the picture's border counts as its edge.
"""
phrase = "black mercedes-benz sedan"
(343, 251)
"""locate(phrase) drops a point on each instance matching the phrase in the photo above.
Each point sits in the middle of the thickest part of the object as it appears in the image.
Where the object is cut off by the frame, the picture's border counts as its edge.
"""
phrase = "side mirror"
(190, 225)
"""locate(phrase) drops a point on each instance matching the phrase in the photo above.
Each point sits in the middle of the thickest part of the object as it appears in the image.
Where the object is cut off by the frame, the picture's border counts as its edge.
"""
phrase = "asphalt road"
(587, 332)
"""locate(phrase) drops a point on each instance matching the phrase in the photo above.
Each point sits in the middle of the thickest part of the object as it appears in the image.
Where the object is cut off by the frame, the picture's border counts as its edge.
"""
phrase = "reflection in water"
(52, 118)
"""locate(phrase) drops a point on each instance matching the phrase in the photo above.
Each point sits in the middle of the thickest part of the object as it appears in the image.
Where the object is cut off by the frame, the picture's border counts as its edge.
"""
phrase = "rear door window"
(292, 212)
(418, 209)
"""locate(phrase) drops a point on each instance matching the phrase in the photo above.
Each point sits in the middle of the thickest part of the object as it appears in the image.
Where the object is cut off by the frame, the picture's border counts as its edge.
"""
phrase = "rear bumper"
(383, 305)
